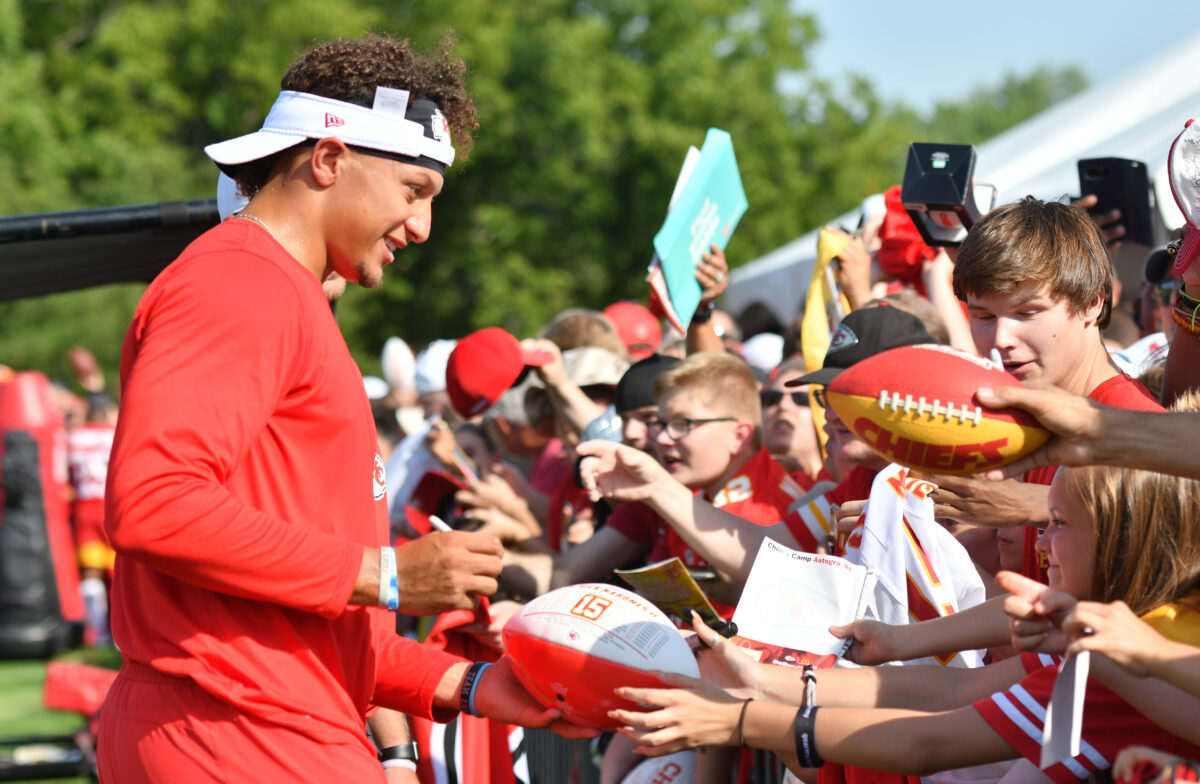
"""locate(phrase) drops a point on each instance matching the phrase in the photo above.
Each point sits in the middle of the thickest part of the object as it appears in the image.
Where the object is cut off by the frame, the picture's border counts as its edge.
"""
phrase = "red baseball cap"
(483, 366)
(637, 327)
(433, 495)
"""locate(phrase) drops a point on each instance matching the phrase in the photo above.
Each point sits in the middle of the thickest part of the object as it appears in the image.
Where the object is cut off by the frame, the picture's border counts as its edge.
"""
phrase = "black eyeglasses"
(678, 427)
(818, 394)
(773, 397)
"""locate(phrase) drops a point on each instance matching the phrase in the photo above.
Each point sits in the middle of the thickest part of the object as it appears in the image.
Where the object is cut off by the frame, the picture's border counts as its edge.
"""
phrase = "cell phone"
(1122, 184)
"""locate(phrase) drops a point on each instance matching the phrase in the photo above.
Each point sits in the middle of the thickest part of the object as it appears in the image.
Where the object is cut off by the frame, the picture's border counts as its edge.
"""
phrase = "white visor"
(296, 117)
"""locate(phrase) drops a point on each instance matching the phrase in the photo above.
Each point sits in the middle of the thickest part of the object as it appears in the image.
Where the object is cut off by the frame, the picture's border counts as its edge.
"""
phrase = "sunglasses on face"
(773, 397)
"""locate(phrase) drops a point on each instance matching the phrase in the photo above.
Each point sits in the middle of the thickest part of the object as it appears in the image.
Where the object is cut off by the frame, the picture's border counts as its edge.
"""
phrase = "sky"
(932, 50)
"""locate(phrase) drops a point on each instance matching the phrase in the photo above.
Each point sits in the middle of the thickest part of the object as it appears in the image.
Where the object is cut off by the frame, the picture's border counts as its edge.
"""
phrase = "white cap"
(592, 365)
(296, 117)
(431, 366)
(375, 387)
(763, 351)
(399, 365)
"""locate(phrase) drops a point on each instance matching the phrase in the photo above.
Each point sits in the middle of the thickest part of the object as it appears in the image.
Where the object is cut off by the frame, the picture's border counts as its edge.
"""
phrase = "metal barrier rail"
(553, 759)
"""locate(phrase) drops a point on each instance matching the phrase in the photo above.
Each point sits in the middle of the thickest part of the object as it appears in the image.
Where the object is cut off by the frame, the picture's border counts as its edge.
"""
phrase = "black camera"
(940, 194)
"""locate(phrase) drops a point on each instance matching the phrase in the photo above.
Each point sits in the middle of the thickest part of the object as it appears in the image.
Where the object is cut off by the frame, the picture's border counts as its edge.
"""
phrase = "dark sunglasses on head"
(773, 397)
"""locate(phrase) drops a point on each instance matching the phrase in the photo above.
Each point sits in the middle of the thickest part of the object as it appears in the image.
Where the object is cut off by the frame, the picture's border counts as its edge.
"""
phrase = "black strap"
(806, 737)
(406, 751)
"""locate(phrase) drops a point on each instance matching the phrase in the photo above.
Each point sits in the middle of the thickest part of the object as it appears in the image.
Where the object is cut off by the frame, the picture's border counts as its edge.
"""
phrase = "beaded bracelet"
(1186, 312)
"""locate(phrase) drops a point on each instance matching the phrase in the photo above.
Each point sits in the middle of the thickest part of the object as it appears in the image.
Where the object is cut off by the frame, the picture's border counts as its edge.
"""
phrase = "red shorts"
(156, 728)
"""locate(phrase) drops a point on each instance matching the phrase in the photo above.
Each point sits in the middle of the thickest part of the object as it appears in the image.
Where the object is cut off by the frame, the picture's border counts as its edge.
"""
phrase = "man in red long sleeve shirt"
(246, 494)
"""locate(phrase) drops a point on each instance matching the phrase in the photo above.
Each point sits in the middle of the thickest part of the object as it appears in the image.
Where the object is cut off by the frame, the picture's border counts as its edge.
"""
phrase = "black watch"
(408, 751)
(704, 313)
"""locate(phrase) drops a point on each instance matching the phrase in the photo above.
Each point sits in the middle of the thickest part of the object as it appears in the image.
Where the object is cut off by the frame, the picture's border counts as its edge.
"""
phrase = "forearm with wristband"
(402, 756)
(466, 698)
(389, 582)
(804, 725)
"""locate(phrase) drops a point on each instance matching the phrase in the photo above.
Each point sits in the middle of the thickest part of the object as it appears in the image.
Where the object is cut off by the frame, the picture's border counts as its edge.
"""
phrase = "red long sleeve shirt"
(244, 483)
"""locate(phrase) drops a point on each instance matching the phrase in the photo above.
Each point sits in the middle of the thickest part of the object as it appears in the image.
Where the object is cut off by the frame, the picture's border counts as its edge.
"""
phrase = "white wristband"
(406, 764)
(389, 583)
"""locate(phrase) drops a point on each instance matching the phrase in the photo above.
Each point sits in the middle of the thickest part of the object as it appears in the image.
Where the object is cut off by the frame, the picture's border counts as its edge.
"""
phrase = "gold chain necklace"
(257, 220)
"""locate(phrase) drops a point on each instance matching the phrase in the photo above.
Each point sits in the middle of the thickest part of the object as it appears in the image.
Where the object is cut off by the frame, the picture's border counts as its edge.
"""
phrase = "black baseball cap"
(865, 333)
(1157, 265)
(636, 388)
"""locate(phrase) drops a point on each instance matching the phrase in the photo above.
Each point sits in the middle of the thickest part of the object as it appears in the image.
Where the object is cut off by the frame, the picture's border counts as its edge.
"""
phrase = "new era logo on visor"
(439, 127)
(843, 337)
(333, 121)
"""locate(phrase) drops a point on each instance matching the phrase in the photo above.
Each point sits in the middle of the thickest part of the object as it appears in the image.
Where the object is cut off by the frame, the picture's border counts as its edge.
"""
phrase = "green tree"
(586, 109)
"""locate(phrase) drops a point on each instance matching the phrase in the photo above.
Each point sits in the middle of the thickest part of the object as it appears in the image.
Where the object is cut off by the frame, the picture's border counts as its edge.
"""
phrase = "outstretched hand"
(1037, 613)
(500, 696)
(874, 641)
(723, 664)
(619, 472)
(1073, 420)
(1115, 631)
(694, 714)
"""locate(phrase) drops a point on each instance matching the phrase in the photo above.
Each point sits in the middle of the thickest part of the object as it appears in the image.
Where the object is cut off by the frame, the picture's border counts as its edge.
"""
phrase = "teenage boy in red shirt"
(1038, 286)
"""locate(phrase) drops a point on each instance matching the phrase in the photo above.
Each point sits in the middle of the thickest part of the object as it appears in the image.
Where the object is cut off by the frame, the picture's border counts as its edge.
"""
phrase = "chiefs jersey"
(88, 448)
(1109, 723)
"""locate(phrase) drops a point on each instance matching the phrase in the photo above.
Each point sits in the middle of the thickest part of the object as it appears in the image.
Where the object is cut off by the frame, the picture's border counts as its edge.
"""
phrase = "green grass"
(21, 709)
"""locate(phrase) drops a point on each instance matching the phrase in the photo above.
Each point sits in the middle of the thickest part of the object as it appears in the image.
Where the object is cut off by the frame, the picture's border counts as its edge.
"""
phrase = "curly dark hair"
(350, 70)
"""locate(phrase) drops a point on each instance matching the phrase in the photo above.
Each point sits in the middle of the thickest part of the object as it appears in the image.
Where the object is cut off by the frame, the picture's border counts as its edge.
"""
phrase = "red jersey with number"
(243, 485)
(88, 447)
(761, 492)
(1119, 391)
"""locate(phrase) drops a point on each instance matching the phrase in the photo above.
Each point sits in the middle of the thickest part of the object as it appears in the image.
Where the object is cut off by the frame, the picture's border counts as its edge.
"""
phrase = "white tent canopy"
(1134, 115)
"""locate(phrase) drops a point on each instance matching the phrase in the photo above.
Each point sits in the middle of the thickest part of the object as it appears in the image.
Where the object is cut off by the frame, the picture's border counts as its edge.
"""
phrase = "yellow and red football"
(915, 405)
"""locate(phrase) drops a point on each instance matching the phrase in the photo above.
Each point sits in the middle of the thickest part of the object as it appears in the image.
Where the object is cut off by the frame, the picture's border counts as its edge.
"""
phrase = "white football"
(572, 646)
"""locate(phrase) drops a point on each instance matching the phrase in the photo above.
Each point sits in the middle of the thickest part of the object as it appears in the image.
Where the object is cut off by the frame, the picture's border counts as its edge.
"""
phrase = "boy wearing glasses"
(806, 524)
(707, 437)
